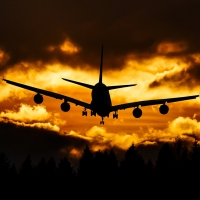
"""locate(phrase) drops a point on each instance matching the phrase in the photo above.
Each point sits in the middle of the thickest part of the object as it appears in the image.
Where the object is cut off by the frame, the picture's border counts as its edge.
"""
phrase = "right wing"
(50, 94)
(151, 102)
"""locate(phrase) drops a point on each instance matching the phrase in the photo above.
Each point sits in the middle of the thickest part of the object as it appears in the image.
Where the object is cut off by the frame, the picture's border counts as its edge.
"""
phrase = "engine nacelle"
(164, 109)
(65, 107)
(38, 98)
(137, 112)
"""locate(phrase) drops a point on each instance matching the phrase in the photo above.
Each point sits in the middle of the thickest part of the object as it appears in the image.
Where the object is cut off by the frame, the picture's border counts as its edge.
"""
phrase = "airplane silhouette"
(101, 102)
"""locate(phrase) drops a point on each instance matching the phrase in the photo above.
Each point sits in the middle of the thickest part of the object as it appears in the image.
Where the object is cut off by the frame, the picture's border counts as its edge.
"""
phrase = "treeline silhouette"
(100, 174)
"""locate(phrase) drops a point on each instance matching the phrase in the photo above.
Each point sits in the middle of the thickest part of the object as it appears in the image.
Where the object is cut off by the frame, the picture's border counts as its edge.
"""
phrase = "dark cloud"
(18, 141)
(189, 78)
(124, 27)
(194, 72)
(174, 80)
(194, 136)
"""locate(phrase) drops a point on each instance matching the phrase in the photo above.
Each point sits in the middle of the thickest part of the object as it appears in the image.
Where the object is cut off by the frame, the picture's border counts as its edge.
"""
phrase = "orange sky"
(18, 105)
(164, 62)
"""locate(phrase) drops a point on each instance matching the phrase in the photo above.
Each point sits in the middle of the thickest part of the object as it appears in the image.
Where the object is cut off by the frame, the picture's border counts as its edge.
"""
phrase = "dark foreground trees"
(102, 173)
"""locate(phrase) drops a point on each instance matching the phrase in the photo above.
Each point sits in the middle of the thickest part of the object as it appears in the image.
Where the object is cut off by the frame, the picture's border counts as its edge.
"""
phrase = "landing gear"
(102, 122)
(84, 113)
(93, 113)
(115, 115)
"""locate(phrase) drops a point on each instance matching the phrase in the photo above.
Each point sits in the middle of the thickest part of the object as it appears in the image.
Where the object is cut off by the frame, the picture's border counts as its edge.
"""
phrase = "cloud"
(45, 46)
(67, 47)
(124, 28)
(184, 75)
(33, 116)
(99, 138)
(41, 42)
(27, 113)
(183, 127)
(171, 47)
(4, 57)
(44, 125)
(17, 141)
(49, 77)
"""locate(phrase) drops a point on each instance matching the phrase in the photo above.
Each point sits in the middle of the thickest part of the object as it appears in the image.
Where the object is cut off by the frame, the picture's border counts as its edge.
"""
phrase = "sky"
(154, 44)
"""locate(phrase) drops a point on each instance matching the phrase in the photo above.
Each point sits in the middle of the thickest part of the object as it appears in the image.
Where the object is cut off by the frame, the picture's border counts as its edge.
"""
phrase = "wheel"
(84, 113)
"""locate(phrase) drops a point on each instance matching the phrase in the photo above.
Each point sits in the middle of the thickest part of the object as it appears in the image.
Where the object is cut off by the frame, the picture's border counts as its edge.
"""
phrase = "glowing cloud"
(76, 153)
(171, 47)
(36, 116)
(47, 125)
(66, 47)
(101, 139)
(27, 113)
(69, 48)
(4, 57)
(182, 127)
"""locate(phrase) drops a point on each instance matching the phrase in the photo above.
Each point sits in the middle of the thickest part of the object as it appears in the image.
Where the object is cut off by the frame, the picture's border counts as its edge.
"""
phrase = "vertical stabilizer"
(101, 66)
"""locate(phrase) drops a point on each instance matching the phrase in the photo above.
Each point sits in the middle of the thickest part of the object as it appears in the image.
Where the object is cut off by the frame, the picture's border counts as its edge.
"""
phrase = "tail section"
(101, 66)
(100, 75)
(100, 78)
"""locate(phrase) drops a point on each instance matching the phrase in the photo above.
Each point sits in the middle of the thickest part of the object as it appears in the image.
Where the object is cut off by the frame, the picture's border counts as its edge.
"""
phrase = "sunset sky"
(154, 44)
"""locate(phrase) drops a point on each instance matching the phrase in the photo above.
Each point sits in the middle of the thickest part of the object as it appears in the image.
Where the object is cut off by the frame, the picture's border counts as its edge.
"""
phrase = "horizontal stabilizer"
(119, 86)
(79, 83)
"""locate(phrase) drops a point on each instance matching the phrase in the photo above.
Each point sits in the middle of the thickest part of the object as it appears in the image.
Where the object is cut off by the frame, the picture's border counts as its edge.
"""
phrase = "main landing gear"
(84, 113)
(102, 122)
(93, 113)
(115, 115)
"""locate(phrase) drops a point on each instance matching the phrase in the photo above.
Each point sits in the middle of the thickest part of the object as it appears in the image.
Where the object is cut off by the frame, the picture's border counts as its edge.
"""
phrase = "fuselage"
(101, 101)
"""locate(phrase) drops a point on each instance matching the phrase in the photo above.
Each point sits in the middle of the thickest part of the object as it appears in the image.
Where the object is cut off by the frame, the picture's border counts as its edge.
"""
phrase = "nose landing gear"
(102, 122)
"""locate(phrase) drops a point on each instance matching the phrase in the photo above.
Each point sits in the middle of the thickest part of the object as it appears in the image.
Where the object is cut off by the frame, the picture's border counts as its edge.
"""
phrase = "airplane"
(101, 102)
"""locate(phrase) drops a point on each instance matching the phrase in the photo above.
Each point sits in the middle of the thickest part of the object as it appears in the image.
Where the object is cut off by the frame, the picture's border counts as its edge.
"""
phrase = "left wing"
(151, 102)
(50, 94)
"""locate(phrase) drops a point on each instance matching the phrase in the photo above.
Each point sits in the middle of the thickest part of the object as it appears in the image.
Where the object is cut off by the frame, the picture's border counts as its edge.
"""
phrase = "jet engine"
(38, 98)
(65, 107)
(137, 112)
(164, 109)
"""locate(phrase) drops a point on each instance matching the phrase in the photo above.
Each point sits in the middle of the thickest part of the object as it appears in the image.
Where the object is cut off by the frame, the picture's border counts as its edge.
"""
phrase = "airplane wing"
(151, 102)
(50, 94)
